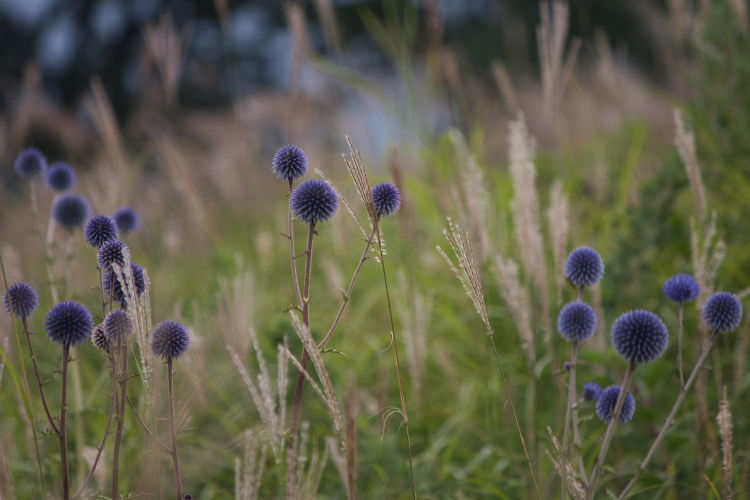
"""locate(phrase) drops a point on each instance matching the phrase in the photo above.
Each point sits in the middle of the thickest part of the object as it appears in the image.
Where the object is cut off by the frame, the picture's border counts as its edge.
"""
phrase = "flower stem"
(680, 327)
(175, 457)
(669, 422)
(63, 424)
(568, 411)
(122, 374)
(624, 388)
(38, 377)
(293, 252)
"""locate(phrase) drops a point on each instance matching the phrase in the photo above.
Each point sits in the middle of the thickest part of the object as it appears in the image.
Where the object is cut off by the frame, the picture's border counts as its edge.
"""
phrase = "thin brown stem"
(38, 377)
(292, 250)
(63, 424)
(175, 456)
(680, 327)
(122, 375)
(624, 388)
(669, 422)
(145, 428)
(568, 412)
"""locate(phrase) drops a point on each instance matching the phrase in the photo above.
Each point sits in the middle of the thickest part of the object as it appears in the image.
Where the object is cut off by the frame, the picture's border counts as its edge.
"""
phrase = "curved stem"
(175, 457)
(63, 422)
(38, 377)
(624, 388)
(669, 422)
(148, 432)
(398, 363)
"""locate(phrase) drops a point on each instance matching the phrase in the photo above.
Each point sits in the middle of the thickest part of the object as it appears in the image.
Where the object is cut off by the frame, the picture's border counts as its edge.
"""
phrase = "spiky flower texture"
(100, 340)
(387, 199)
(591, 391)
(605, 405)
(289, 163)
(584, 267)
(70, 210)
(60, 177)
(69, 323)
(21, 300)
(682, 288)
(314, 201)
(640, 336)
(170, 340)
(117, 326)
(113, 287)
(112, 252)
(100, 229)
(722, 312)
(30, 163)
(577, 321)
(127, 219)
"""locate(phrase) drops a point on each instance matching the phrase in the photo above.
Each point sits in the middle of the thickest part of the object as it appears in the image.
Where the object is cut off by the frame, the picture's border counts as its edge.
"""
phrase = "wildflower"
(100, 339)
(127, 219)
(113, 287)
(70, 210)
(170, 340)
(591, 391)
(387, 199)
(21, 300)
(289, 163)
(682, 288)
(577, 321)
(60, 176)
(100, 229)
(112, 252)
(314, 201)
(69, 323)
(640, 336)
(722, 312)
(605, 405)
(117, 326)
(30, 162)
(584, 267)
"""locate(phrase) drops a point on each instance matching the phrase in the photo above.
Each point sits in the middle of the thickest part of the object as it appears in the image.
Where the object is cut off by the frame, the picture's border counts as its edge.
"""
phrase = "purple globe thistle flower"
(387, 199)
(314, 201)
(60, 176)
(682, 288)
(577, 321)
(21, 300)
(30, 162)
(722, 312)
(100, 229)
(605, 405)
(69, 323)
(117, 326)
(70, 210)
(113, 288)
(584, 267)
(127, 219)
(289, 163)
(640, 336)
(170, 340)
(112, 252)
(591, 391)
(100, 339)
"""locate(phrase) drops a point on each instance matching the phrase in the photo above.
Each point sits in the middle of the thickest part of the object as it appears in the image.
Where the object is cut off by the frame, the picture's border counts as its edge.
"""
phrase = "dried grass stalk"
(558, 220)
(685, 144)
(724, 419)
(518, 299)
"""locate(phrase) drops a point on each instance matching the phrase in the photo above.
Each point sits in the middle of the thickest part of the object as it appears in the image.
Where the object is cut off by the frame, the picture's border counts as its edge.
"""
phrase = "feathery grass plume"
(289, 163)
(724, 419)
(70, 210)
(564, 468)
(113, 283)
(556, 65)
(505, 86)
(685, 144)
(474, 195)
(60, 176)
(525, 208)
(112, 252)
(605, 405)
(165, 46)
(30, 163)
(356, 168)
(127, 219)
(707, 251)
(415, 309)
(105, 122)
(269, 400)
(248, 470)
(465, 269)
(516, 295)
(558, 222)
(237, 298)
(20, 300)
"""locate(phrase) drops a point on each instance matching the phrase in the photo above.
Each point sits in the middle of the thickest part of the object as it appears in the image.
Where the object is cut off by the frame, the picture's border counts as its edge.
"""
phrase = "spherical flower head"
(100, 229)
(100, 339)
(605, 405)
(21, 300)
(117, 326)
(682, 288)
(591, 391)
(60, 176)
(577, 321)
(127, 219)
(170, 340)
(30, 162)
(387, 199)
(314, 201)
(722, 312)
(584, 267)
(289, 163)
(70, 210)
(640, 336)
(113, 287)
(69, 323)
(112, 252)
